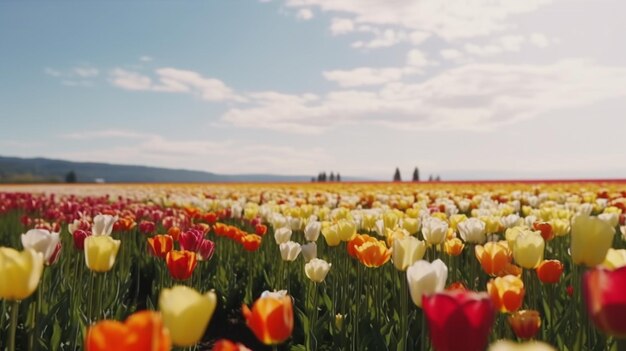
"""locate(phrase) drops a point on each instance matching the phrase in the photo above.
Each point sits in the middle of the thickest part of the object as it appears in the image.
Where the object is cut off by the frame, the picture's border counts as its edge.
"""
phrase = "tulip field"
(320, 266)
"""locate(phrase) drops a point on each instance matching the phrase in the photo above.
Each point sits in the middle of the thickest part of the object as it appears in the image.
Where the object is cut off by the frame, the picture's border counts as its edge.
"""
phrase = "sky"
(467, 89)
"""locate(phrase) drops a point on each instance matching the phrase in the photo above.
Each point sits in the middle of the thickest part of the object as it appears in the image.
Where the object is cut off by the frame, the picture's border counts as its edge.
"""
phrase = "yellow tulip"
(20, 273)
(508, 345)
(591, 240)
(406, 251)
(614, 259)
(186, 313)
(411, 225)
(346, 229)
(100, 252)
(331, 234)
(528, 249)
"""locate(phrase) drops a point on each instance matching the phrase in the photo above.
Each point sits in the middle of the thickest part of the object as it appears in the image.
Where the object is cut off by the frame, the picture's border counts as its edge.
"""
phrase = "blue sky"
(475, 89)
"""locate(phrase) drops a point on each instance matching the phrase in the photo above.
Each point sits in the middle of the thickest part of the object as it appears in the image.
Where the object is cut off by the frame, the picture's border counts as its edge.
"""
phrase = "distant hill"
(20, 170)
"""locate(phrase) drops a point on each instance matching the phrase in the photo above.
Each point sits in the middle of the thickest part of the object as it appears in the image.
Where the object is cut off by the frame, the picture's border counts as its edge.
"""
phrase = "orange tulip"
(453, 247)
(160, 245)
(227, 345)
(181, 264)
(174, 232)
(142, 331)
(373, 253)
(493, 257)
(271, 318)
(251, 242)
(546, 230)
(525, 323)
(356, 241)
(506, 292)
(549, 271)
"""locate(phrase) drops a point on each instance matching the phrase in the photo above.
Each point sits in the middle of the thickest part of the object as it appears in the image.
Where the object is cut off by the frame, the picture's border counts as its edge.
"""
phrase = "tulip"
(507, 345)
(260, 229)
(506, 292)
(309, 251)
(525, 323)
(282, 235)
(312, 230)
(426, 278)
(79, 237)
(549, 271)
(190, 240)
(186, 313)
(528, 249)
(591, 240)
(146, 227)
(103, 225)
(459, 320)
(357, 241)
(373, 253)
(346, 229)
(406, 251)
(317, 269)
(614, 259)
(142, 331)
(289, 250)
(101, 252)
(545, 229)
(411, 225)
(79, 224)
(206, 250)
(41, 241)
(331, 235)
(181, 264)
(472, 231)
(227, 345)
(251, 242)
(453, 247)
(271, 318)
(603, 291)
(493, 257)
(55, 254)
(20, 273)
(160, 245)
(611, 218)
(434, 230)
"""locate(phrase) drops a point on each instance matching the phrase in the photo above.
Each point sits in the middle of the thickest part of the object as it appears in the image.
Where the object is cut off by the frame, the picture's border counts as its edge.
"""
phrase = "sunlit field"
(343, 266)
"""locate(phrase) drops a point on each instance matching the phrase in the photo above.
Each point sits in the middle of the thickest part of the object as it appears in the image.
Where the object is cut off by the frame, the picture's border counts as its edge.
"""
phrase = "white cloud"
(106, 134)
(146, 58)
(86, 72)
(304, 14)
(364, 76)
(52, 72)
(382, 39)
(416, 58)
(447, 19)
(175, 80)
(341, 26)
(475, 96)
(451, 54)
(486, 50)
(512, 42)
(417, 37)
(539, 40)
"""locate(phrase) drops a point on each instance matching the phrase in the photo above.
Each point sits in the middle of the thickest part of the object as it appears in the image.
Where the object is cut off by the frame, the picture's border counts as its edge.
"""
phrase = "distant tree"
(430, 178)
(70, 177)
(332, 177)
(416, 175)
(438, 178)
(396, 176)
(322, 177)
(338, 177)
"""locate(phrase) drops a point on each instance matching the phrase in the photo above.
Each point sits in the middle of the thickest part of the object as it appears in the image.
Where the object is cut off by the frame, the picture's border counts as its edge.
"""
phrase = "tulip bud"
(506, 292)
(312, 230)
(289, 250)
(20, 273)
(282, 235)
(434, 230)
(42, 241)
(317, 269)
(339, 318)
(472, 231)
(309, 251)
(525, 323)
(101, 252)
(507, 345)
(528, 249)
(103, 225)
(406, 251)
(590, 240)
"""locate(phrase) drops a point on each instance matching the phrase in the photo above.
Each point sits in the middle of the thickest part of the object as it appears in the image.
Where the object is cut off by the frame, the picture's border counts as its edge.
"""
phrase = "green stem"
(404, 311)
(15, 306)
(621, 344)
(90, 298)
(423, 342)
(357, 299)
(313, 318)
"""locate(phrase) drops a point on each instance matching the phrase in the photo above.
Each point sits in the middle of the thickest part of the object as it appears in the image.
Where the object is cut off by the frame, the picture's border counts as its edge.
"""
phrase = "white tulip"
(309, 251)
(472, 231)
(290, 250)
(426, 278)
(103, 225)
(41, 241)
(282, 235)
(317, 269)
(434, 230)
(312, 230)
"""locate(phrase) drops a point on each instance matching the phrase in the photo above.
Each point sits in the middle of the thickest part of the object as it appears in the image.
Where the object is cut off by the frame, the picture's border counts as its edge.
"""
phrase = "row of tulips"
(359, 269)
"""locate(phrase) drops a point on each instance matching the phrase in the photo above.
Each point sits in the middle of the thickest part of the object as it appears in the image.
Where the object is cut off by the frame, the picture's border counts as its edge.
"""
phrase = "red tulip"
(181, 264)
(459, 320)
(55, 255)
(603, 291)
(260, 229)
(79, 237)
(271, 318)
(205, 250)
(190, 240)
(147, 227)
(227, 345)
